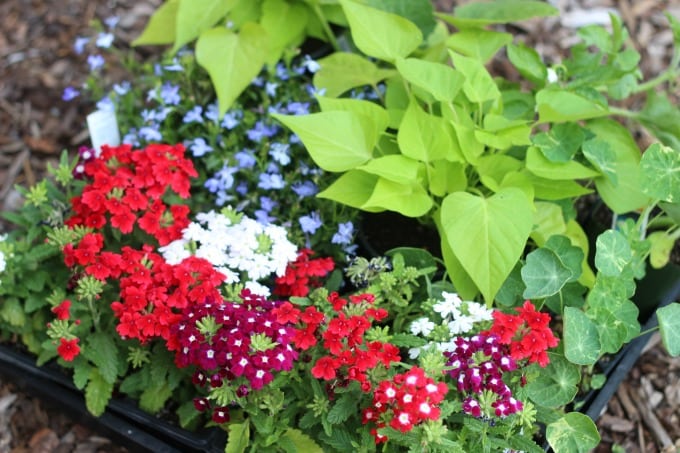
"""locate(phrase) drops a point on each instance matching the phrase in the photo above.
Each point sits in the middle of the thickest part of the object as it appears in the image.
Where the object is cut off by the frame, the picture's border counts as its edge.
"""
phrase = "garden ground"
(37, 61)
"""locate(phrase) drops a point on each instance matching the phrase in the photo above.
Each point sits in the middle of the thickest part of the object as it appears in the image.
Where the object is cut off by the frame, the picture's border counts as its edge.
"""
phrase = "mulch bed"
(37, 62)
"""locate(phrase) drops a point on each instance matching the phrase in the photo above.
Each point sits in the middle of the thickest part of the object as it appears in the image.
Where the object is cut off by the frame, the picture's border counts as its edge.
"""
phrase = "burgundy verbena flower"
(229, 353)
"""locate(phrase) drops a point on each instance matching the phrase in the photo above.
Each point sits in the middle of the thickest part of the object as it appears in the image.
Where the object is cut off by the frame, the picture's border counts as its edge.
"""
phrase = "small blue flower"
(282, 72)
(269, 181)
(231, 119)
(270, 88)
(312, 91)
(242, 188)
(310, 64)
(70, 94)
(258, 82)
(267, 204)
(226, 176)
(95, 62)
(194, 115)
(305, 189)
(104, 40)
(294, 139)
(263, 217)
(280, 153)
(131, 137)
(344, 234)
(148, 115)
(175, 66)
(261, 130)
(298, 108)
(161, 113)
(213, 185)
(170, 94)
(272, 167)
(212, 112)
(310, 223)
(150, 133)
(199, 147)
(79, 44)
(222, 198)
(106, 104)
(245, 159)
(122, 88)
(112, 21)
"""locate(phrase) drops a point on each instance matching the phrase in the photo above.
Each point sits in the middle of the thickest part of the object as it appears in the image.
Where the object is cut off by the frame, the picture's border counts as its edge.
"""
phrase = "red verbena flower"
(63, 310)
(68, 349)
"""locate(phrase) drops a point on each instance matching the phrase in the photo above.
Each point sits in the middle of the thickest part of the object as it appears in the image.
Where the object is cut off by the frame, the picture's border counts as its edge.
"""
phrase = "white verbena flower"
(422, 326)
(460, 324)
(478, 312)
(450, 306)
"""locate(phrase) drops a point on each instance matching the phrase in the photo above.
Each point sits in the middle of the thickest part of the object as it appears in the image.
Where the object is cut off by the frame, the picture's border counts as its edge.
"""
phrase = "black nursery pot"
(123, 422)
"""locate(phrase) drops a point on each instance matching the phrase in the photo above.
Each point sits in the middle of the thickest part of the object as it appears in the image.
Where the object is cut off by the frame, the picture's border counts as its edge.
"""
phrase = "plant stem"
(658, 80)
(326, 27)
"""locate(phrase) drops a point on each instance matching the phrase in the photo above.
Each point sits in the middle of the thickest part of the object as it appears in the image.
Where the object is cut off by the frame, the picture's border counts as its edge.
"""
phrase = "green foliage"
(574, 432)
(669, 325)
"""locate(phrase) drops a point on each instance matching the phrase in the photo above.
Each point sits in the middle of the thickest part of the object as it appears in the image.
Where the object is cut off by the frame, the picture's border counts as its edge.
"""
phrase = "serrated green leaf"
(581, 337)
(161, 26)
(573, 433)
(153, 398)
(239, 437)
(187, 414)
(302, 442)
(660, 173)
(196, 16)
(336, 140)
(342, 71)
(669, 326)
(81, 374)
(407, 341)
(12, 312)
(487, 235)
(557, 384)
(345, 406)
(97, 393)
(379, 34)
(440, 80)
(101, 350)
(232, 60)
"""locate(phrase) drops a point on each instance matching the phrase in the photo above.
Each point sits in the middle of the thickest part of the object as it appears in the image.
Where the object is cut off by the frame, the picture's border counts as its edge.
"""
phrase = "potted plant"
(177, 285)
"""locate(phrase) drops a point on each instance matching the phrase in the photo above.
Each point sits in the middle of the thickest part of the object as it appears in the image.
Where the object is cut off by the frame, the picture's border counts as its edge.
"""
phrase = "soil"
(37, 62)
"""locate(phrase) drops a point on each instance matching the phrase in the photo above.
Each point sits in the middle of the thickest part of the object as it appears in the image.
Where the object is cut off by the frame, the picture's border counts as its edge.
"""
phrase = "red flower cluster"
(350, 356)
(302, 275)
(127, 185)
(63, 310)
(404, 401)
(527, 333)
(152, 292)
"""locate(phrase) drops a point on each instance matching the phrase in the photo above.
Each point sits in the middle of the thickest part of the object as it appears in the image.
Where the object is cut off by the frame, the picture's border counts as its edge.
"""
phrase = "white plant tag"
(103, 128)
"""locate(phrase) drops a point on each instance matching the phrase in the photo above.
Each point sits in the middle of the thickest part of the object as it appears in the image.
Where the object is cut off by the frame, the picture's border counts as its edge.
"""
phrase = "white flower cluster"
(245, 252)
(458, 315)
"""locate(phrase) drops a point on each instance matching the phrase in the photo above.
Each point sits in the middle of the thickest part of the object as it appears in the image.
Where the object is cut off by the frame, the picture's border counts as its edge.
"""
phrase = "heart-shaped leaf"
(660, 177)
(232, 60)
(669, 325)
(573, 433)
(557, 384)
(581, 338)
(487, 235)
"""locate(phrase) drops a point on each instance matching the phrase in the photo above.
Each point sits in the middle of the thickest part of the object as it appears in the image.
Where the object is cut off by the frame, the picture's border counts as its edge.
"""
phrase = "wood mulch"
(37, 62)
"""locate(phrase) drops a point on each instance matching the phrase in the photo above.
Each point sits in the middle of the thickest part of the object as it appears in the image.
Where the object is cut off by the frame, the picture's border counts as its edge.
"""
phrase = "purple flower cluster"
(478, 365)
(230, 351)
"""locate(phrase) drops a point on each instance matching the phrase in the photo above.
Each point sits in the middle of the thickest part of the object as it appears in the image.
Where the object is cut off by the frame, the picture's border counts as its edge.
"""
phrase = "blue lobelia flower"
(104, 40)
(310, 223)
(245, 159)
(305, 189)
(150, 133)
(95, 61)
(199, 147)
(280, 153)
(344, 234)
(79, 44)
(170, 94)
(194, 115)
(70, 94)
(271, 181)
